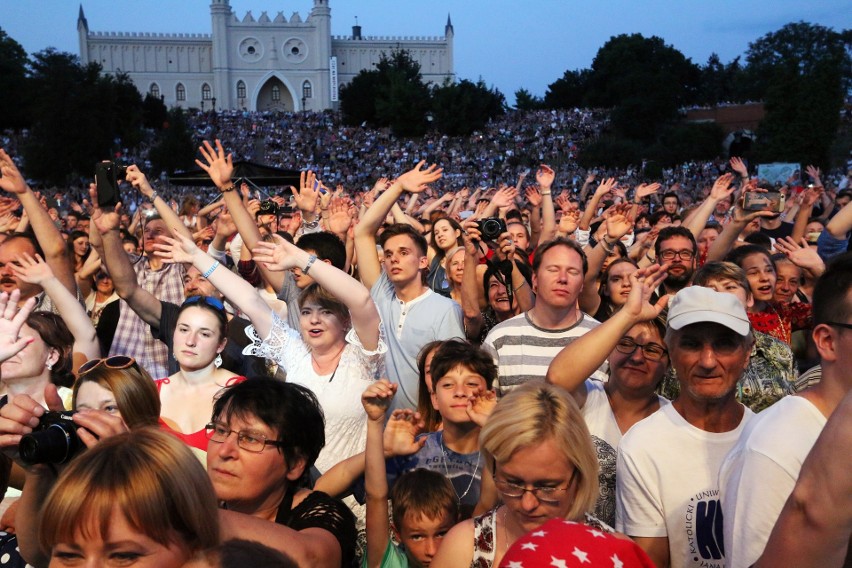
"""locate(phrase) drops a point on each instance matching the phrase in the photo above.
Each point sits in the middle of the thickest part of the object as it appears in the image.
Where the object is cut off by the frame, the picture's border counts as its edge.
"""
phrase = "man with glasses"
(676, 246)
(760, 472)
(667, 483)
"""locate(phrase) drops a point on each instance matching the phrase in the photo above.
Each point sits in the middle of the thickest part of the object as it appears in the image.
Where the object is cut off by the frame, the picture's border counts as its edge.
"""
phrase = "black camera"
(491, 228)
(268, 207)
(54, 440)
(108, 175)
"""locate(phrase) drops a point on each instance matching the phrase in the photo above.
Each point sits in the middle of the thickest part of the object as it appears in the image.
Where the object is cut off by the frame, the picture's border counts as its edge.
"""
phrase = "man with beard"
(676, 247)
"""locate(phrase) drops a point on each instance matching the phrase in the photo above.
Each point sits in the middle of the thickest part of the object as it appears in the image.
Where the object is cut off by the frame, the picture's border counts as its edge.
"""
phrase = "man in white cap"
(667, 482)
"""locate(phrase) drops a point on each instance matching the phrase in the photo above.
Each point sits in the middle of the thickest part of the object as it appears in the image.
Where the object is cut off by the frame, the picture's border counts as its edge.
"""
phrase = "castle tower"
(321, 18)
(83, 36)
(449, 33)
(220, 13)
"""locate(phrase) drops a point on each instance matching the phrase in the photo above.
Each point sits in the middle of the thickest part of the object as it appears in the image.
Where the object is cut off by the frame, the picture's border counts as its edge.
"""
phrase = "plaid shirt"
(132, 335)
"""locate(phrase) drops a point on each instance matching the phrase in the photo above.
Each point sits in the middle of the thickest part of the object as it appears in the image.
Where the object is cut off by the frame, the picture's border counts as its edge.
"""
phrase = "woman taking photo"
(445, 236)
(187, 396)
(540, 454)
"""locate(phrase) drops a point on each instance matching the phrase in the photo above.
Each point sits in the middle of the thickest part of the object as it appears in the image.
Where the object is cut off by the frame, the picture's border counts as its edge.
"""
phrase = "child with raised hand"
(425, 507)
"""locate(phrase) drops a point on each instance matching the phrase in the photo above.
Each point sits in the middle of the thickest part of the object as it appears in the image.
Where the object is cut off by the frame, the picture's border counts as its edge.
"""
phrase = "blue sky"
(508, 44)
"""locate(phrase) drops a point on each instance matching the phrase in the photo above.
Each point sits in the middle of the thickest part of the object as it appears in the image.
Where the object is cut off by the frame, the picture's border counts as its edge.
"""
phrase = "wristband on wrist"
(648, 256)
(154, 196)
(210, 270)
(311, 260)
(310, 224)
(607, 246)
(521, 285)
(546, 192)
(228, 188)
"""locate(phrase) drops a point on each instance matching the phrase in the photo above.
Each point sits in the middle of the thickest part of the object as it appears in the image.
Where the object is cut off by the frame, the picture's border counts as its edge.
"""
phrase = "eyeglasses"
(681, 254)
(838, 324)
(209, 300)
(249, 441)
(101, 276)
(550, 495)
(114, 362)
(651, 351)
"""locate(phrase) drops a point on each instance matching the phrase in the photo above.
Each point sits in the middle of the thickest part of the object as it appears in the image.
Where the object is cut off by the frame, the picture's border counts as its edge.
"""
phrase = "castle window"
(241, 90)
(154, 90)
(307, 90)
(180, 92)
(205, 92)
(276, 93)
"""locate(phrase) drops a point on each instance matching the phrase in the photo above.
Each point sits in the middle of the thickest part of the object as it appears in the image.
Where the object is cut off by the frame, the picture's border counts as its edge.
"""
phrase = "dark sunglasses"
(101, 276)
(114, 362)
(209, 300)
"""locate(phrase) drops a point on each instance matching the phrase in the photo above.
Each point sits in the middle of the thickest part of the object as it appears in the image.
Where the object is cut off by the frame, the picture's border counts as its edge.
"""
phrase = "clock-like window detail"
(250, 49)
(295, 50)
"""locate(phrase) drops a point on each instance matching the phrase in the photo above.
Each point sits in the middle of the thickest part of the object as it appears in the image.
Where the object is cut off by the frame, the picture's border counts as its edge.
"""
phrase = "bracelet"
(522, 284)
(228, 188)
(154, 196)
(607, 246)
(310, 224)
(545, 192)
(210, 270)
(648, 256)
(311, 260)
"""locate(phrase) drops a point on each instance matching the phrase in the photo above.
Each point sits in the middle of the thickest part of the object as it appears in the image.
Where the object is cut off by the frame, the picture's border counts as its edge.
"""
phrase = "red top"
(194, 439)
(780, 320)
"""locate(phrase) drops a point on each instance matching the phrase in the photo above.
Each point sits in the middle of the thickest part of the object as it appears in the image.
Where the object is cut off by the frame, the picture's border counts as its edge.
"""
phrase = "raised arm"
(413, 181)
(545, 176)
(471, 285)
(605, 187)
(726, 239)
(721, 189)
(138, 180)
(36, 271)
(579, 359)
(618, 223)
(48, 236)
(376, 400)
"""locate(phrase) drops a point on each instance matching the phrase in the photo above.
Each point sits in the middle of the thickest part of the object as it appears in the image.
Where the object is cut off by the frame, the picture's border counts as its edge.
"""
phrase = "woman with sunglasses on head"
(338, 350)
(187, 396)
(538, 449)
(632, 342)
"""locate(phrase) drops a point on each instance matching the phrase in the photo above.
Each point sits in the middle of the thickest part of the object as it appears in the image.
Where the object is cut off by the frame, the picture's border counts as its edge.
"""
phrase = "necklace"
(338, 357)
(445, 458)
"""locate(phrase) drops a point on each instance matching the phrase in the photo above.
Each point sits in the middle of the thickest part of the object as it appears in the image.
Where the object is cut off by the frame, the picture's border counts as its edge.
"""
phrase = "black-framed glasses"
(209, 300)
(247, 440)
(838, 324)
(544, 494)
(651, 351)
(681, 254)
(114, 362)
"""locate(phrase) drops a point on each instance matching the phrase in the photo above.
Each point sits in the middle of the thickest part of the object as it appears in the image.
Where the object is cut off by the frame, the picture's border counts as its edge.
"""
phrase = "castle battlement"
(146, 35)
(389, 38)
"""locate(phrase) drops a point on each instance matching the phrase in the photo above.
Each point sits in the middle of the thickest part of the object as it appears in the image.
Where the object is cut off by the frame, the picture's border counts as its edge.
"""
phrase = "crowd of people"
(428, 353)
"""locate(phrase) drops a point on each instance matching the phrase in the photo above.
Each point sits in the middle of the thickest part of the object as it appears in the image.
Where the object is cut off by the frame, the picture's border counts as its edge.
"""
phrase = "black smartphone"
(107, 179)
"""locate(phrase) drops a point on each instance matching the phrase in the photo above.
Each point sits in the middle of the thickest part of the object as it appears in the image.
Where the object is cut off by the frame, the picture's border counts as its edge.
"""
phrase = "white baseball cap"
(697, 304)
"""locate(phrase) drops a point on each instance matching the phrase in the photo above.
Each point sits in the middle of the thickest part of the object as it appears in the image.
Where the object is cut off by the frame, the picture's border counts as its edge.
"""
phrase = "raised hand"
(504, 197)
(105, 221)
(739, 166)
(815, 174)
(11, 179)
(11, 321)
(275, 256)
(643, 283)
(381, 184)
(137, 179)
(533, 195)
(801, 254)
(569, 222)
(96, 425)
(480, 406)
(722, 187)
(471, 236)
(545, 176)
(401, 433)
(180, 249)
(339, 218)
(377, 399)
(618, 221)
(308, 195)
(646, 189)
(225, 225)
(417, 179)
(606, 186)
(505, 247)
(32, 270)
(218, 165)
(20, 415)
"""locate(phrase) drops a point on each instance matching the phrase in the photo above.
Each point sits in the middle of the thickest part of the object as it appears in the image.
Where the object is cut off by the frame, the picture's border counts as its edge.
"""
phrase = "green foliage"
(80, 117)
(804, 70)
(357, 99)
(643, 80)
(154, 112)
(175, 149)
(721, 83)
(684, 142)
(14, 96)
(460, 108)
(524, 100)
(610, 151)
(568, 91)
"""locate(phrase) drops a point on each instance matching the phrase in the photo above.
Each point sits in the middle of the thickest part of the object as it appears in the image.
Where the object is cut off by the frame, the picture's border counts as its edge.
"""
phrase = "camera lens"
(55, 444)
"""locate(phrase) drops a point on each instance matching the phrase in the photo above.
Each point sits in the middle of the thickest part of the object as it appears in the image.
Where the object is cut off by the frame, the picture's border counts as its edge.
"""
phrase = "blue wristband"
(210, 270)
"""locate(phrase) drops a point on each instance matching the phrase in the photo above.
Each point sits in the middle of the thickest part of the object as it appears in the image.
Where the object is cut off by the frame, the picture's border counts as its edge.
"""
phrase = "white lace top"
(339, 394)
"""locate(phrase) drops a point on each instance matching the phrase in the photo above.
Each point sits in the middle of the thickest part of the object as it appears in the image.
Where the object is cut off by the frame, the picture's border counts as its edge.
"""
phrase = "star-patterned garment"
(564, 544)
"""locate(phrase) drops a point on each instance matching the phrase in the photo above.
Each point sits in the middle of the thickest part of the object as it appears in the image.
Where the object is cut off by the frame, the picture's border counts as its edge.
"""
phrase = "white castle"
(256, 64)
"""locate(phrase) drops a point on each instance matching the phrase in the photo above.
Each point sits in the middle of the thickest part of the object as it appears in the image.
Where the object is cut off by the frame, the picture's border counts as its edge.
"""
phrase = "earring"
(49, 366)
(218, 360)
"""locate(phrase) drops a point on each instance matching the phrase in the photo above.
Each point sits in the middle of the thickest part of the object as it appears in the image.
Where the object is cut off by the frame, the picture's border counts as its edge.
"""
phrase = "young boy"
(425, 505)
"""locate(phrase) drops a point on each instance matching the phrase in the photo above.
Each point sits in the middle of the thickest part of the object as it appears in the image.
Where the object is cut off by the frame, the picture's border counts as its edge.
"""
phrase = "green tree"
(175, 149)
(802, 72)
(460, 108)
(393, 95)
(525, 100)
(721, 83)
(644, 82)
(14, 96)
(154, 112)
(569, 91)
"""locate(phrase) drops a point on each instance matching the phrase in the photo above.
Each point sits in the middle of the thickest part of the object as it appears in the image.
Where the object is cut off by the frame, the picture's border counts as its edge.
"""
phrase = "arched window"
(276, 93)
(205, 92)
(307, 90)
(241, 90)
(180, 92)
(154, 90)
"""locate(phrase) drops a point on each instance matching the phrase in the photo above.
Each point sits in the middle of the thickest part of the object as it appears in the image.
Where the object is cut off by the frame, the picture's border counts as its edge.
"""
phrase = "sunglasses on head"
(209, 300)
(114, 362)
